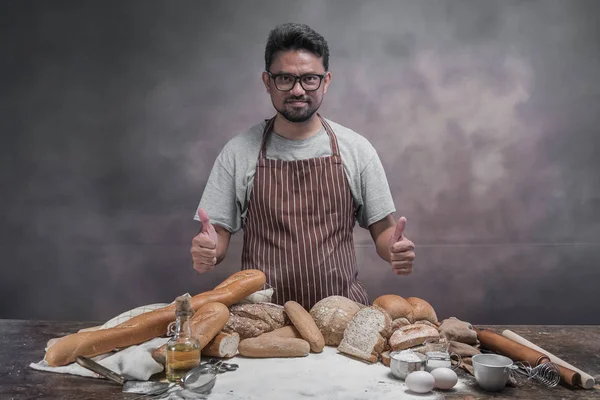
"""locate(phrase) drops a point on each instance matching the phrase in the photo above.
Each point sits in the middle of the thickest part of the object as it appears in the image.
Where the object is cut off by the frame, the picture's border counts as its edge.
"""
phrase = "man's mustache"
(292, 99)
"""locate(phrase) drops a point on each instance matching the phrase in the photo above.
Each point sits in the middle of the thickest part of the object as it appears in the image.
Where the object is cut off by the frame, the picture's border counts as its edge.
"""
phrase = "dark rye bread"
(366, 334)
(253, 319)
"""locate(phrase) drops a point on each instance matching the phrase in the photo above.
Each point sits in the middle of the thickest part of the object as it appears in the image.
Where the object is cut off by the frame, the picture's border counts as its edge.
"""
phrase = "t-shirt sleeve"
(376, 194)
(219, 197)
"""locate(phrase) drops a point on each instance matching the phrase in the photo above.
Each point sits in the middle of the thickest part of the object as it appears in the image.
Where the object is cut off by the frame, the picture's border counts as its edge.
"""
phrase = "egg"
(445, 378)
(420, 381)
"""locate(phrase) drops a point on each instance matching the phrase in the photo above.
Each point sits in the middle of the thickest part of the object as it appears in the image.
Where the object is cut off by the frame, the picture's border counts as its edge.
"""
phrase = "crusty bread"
(224, 345)
(273, 347)
(332, 315)
(253, 319)
(425, 322)
(396, 306)
(149, 325)
(305, 324)
(412, 335)
(288, 331)
(399, 323)
(205, 324)
(422, 310)
(366, 334)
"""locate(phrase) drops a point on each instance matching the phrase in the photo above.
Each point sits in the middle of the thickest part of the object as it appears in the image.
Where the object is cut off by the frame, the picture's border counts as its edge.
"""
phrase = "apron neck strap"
(269, 129)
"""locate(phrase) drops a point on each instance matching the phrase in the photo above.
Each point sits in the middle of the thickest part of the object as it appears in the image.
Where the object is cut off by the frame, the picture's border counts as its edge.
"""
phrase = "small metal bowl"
(404, 362)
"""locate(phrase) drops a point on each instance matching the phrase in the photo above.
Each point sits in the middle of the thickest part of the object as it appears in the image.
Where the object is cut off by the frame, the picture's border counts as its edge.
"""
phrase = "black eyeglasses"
(285, 82)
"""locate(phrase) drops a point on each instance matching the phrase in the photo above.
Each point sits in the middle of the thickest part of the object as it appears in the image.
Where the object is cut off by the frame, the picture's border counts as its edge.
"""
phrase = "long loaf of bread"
(305, 324)
(151, 324)
(273, 347)
(206, 323)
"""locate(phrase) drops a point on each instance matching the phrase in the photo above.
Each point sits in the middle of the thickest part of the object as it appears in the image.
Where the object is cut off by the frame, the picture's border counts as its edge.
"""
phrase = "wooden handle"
(518, 352)
(587, 381)
(100, 369)
(506, 347)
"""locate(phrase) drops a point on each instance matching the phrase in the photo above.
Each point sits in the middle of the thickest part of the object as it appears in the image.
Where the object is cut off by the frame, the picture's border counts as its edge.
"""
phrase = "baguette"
(151, 324)
(205, 324)
(224, 345)
(305, 324)
(273, 347)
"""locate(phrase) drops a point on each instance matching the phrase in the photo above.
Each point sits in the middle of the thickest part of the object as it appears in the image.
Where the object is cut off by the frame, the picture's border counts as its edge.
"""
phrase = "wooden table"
(23, 342)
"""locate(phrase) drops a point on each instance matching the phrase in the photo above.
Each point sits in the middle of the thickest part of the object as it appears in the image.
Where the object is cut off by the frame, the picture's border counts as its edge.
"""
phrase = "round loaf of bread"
(396, 306)
(422, 310)
(332, 315)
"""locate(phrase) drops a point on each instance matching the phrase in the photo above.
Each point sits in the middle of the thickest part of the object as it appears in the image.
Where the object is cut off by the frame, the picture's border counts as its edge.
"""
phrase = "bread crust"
(422, 310)
(253, 319)
(306, 326)
(332, 315)
(412, 335)
(273, 347)
(396, 306)
(224, 345)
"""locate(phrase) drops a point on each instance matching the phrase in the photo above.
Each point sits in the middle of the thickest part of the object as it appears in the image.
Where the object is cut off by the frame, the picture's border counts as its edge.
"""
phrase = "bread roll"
(412, 335)
(205, 324)
(422, 310)
(332, 315)
(396, 306)
(253, 319)
(305, 324)
(273, 347)
(366, 334)
(149, 325)
(224, 345)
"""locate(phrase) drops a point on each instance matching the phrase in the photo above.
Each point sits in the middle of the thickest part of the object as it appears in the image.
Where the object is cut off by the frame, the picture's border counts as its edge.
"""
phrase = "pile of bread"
(368, 333)
(226, 324)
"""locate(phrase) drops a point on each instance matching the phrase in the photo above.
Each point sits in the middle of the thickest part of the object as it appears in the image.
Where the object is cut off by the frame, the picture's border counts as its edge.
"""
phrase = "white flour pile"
(328, 375)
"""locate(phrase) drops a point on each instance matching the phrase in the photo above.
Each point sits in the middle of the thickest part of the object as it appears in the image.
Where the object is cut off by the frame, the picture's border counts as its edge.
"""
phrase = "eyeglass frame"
(297, 78)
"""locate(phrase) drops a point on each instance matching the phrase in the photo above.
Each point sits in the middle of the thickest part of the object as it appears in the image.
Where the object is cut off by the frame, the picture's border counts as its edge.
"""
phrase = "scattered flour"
(327, 375)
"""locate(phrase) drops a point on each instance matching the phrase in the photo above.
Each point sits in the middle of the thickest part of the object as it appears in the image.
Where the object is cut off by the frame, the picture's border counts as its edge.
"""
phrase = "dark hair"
(293, 36)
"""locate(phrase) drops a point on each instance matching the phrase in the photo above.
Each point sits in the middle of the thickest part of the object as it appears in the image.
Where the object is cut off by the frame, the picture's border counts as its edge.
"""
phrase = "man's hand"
(204, 245)
(401, 250)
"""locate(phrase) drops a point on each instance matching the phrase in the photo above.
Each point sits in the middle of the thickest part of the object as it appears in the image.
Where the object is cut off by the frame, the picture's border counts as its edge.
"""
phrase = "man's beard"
(298, 114)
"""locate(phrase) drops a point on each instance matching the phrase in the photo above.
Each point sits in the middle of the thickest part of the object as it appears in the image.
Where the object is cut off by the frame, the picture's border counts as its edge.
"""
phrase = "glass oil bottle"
(183, 350)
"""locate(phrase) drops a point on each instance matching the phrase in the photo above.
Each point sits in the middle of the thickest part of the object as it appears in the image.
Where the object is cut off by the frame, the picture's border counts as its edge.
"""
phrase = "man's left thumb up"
(399, 231)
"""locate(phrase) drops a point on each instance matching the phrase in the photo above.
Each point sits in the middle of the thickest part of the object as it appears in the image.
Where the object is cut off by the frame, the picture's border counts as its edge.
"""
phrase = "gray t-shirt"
(227, 191)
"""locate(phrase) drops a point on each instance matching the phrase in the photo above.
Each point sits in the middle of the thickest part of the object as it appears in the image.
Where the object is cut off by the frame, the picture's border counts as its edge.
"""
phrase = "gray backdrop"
(485, 115)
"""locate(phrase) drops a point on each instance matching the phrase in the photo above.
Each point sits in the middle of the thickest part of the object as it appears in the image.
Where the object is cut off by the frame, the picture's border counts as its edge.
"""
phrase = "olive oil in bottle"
(183, 351)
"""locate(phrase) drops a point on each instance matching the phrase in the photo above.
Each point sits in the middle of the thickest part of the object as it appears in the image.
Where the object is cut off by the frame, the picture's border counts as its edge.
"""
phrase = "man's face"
(296, 104)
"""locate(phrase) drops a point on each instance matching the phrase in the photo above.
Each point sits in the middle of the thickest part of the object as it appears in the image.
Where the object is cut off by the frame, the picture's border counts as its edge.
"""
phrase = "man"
(296, 184)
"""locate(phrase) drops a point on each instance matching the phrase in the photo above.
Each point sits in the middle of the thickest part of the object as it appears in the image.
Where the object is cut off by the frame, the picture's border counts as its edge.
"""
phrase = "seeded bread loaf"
(253, 319)
(366, 334)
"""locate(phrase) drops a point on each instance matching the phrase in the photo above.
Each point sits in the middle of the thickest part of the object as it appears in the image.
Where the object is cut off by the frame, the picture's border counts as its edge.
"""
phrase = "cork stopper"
(183, 305)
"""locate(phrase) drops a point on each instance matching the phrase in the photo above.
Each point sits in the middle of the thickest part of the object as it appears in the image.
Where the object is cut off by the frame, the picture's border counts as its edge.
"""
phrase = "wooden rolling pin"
(587, 381)
(518, 352)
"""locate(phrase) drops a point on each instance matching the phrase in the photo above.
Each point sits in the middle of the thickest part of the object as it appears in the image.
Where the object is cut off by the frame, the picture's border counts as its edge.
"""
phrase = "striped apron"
(299, 227)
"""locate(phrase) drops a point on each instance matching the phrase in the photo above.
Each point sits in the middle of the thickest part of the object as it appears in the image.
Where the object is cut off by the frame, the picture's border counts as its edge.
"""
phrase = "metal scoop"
(198, 380)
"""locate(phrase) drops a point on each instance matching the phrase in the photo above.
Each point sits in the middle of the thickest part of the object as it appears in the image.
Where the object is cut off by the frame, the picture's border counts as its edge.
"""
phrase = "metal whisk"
(547, 373)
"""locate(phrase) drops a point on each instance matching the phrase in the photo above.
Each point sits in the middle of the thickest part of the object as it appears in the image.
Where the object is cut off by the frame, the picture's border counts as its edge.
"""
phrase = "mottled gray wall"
(485, 115)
